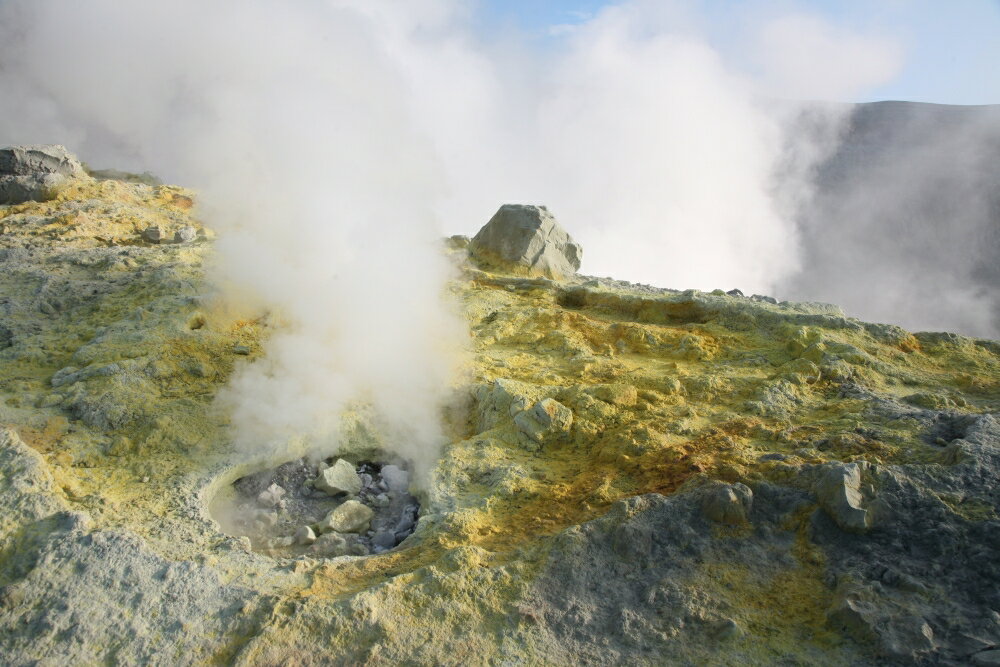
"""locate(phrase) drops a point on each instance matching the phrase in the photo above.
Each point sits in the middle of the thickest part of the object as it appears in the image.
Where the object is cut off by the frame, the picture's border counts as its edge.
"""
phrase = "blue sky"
(951, 47)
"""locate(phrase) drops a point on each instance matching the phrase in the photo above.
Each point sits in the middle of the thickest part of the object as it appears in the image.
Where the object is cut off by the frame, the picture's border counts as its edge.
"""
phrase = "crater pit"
(325, 509)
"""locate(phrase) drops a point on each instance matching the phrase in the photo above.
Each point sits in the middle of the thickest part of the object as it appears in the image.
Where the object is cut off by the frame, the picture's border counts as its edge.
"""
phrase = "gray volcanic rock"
(527, 240)
(34, 172)
(839, 493)
(728, 503)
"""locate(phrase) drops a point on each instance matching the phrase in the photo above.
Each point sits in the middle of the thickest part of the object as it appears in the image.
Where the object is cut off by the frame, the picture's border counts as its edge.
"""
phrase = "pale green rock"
(350, 517)
(339, 478)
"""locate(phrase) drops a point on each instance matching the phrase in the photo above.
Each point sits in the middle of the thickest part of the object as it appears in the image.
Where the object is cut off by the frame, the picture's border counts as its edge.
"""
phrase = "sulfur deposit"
(634, 475)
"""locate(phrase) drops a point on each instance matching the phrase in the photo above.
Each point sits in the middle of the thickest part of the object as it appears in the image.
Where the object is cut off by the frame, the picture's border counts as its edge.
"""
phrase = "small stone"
(330, 545)
(153, 234)
(271, 496)
(282, 542)
(264, 519)
(50, 400)
(270, 518)
(185, 235)
(734, 292)
(622, 395)
(727, 629)
(385, 539)
(397, 479)
(241, 350)
(350, 517)
(405, 525)
(305, 536)
(339, 478)
(728, 503)
(547, 419)
(381, 500)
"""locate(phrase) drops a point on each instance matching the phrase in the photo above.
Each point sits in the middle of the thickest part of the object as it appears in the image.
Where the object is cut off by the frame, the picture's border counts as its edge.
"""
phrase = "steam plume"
(336, 141)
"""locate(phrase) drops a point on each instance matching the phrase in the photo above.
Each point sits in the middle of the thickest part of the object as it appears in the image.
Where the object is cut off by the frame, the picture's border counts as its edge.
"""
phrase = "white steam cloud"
(296, 128)
(336, 141)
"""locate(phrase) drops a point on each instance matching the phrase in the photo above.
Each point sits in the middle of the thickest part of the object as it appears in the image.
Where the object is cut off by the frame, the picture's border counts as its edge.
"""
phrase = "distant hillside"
(906, 225)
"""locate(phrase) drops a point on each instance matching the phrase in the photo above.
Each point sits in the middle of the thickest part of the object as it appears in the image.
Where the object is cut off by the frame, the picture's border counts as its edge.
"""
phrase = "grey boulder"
(839, 493)
(35, 172)
(728, 503)
(526, 239)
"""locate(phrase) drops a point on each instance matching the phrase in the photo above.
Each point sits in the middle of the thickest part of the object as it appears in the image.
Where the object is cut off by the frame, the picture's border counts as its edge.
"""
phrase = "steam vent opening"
(321, 509)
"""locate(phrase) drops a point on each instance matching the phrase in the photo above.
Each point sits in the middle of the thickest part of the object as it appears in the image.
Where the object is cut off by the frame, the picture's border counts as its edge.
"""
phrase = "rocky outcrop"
(632, 475)
(35, 172)
(526, 240)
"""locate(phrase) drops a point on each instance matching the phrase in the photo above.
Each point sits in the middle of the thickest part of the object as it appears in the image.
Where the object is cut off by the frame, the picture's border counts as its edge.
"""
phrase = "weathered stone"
(727, 629)
(526, 240)
(546, 419)
(185, 235)
(264, 519)
(153, 234)
(859, 611)
(339, 478)
(39, 159)
(330, 545)
(271, 496)
(281, 542)
(728, 503)
(351, 517)
(397, 479)
(305, 535)
(623, 395)
(385, 539)
(499, 401)
(839, 492)
(987, 658)
(35, 172)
